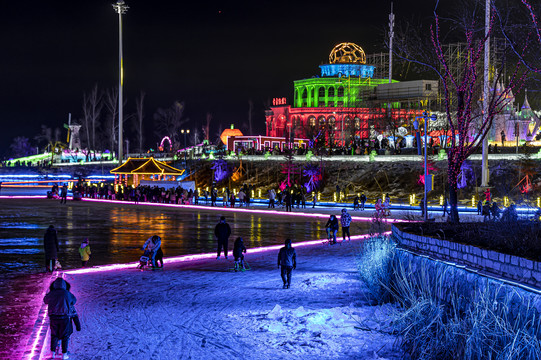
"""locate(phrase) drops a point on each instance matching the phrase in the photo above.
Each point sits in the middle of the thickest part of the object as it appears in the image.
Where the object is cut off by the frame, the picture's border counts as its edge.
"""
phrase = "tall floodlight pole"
(391, 35)
(486, 95)
(121, 8)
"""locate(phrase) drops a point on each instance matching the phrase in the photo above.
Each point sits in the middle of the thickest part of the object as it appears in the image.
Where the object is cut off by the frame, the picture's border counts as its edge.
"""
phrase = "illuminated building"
(346, 102)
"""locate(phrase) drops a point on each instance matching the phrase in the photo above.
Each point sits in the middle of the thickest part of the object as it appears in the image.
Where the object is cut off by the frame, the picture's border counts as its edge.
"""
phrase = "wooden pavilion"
(134, 170)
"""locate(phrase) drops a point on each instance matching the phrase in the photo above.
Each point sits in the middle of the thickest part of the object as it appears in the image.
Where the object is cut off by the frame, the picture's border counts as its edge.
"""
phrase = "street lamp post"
(121, 8)
(185, 132)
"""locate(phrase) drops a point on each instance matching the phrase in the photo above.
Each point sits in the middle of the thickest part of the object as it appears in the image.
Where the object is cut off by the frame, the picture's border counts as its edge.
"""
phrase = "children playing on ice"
(287, 259)
(84, 251)
(238, 249)
(61, 307)
(332, 228)
(153, 245)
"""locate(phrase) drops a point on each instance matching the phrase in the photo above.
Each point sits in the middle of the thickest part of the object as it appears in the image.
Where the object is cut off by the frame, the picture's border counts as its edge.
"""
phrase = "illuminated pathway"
(35, 348)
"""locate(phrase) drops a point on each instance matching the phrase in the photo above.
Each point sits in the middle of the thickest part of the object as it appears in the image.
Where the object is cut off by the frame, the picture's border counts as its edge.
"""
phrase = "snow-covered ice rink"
(203, 310)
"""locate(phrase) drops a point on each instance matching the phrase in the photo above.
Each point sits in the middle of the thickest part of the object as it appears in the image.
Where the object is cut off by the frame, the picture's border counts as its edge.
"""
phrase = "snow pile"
(337, 332)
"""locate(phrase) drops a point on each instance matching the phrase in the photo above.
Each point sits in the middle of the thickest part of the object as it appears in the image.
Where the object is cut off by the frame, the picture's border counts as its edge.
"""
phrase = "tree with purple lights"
(461, 93)
(313, 173)
(221, 169)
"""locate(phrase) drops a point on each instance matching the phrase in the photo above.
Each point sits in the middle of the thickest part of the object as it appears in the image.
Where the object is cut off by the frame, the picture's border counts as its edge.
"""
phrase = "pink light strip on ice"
(228, 209)
(23, 197)
(194, 257)
(34, 351)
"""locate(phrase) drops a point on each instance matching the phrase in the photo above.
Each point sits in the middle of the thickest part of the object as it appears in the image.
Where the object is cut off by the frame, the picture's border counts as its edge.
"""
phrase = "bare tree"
(206, 127)
(21, 147)
(92, 106)
(111, 123)
(169, 121)
(461, 93)
(138, 120)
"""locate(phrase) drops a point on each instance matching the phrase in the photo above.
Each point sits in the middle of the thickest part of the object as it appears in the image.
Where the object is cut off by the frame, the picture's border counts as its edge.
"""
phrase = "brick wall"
(510, 267)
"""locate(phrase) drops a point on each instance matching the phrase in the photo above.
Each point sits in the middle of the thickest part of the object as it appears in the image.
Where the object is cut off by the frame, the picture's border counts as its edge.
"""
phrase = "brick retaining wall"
(510, 267)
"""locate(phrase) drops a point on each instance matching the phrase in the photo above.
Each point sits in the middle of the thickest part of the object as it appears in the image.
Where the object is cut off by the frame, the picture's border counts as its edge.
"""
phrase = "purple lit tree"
(461, 93)
(221, 170)
(314, 177)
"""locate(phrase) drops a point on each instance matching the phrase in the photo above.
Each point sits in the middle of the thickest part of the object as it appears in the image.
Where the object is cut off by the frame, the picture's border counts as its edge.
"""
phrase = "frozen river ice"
(117, 232)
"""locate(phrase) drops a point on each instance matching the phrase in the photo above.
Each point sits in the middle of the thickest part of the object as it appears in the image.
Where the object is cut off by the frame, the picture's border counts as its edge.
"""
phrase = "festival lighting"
(195, 257)
(249, 211)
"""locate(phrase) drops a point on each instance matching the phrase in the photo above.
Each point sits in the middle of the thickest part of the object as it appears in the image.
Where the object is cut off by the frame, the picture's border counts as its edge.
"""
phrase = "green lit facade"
(332, 91)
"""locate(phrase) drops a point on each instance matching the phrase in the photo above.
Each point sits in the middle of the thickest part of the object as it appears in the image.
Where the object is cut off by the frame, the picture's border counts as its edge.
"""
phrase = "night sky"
(213, 56)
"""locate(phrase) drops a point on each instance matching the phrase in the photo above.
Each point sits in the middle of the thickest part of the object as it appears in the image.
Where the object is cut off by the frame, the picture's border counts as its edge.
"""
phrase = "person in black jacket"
(61, 306)
(50, 243)
(222, 232)
(287, 259)
(238, 249)
(332, 228)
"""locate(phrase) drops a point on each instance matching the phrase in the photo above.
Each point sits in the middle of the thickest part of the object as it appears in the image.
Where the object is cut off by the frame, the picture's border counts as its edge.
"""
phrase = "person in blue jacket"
(287, 259)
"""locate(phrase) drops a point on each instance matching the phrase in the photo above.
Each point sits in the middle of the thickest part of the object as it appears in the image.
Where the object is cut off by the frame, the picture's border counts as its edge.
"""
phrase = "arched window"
(332, 122)
(340, 91)
(331, 92)
(312, 120)
(321, 120)
(321, 92)
(357, 123)
(347, 122)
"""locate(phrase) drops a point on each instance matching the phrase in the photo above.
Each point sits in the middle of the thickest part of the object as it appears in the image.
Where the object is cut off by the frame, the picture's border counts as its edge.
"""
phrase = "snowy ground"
(203, 310)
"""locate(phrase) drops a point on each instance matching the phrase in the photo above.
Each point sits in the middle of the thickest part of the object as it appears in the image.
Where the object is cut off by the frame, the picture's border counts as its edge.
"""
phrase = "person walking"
(314, 199)
(50, 244)
(363, 201)
(213, 196)
(272, 196)
(222, 232)
(288, 200)
(445, 206)
(228, 195)
(356, 203)
(60, 301)
(85, 253)
(287, 259)
(479, 207)
(63, 194)
(345, 221)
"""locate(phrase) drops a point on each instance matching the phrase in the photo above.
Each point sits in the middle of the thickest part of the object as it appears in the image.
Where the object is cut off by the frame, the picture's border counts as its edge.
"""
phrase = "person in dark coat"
(61, 305)
(287, 259)
(288, 200)
(332, 228)
(238, 249)
(63, 194)
(363, 201)
(50, 243)
(222, 232)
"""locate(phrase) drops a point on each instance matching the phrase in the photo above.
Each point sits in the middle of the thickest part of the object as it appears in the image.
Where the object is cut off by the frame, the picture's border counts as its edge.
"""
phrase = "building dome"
(347, 53)
(229, 132)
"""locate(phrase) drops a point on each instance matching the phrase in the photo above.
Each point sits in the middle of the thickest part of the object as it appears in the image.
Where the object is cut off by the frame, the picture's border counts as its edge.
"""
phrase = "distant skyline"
(212, 56)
